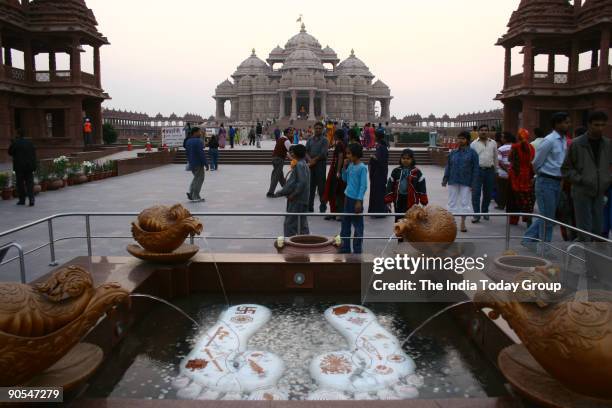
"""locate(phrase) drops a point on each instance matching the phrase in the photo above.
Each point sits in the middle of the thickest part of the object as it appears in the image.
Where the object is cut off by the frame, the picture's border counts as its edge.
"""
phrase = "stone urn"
(506, 267)
(306, 245)
(55, 184)
(429, 229)
(161, 232)
(39, 325)
(568, 334)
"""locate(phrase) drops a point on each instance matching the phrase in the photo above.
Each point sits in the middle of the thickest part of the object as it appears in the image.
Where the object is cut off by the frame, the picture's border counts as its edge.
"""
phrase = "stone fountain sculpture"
(41, 324)
(568, 335)
(428, 229)
(161, 232)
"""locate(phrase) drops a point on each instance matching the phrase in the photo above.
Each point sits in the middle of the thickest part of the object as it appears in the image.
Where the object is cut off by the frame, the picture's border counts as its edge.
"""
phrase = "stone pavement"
(233, 188)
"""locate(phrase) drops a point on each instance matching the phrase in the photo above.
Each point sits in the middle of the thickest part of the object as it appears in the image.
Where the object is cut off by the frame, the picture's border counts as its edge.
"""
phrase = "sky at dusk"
(437, 56)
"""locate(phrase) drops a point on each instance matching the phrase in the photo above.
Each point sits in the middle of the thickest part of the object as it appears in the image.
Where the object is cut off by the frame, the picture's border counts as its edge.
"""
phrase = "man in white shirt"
(486, 149)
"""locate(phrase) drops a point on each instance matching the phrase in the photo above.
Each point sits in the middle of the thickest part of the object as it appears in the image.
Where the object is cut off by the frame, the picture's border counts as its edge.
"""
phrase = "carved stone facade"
(303, 87)
(49, 105)
(557, 29)
(139, 126)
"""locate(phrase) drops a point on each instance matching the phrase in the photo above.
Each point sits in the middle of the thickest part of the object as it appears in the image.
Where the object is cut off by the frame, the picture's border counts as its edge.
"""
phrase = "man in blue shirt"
(355, 175)
(232, 136)
(547, 166)
(196, 158)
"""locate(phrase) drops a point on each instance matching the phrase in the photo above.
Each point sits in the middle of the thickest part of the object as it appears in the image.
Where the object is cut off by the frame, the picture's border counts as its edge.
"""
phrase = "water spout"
(165, 302)
(382, 254)
(446, 309)
(209, 249)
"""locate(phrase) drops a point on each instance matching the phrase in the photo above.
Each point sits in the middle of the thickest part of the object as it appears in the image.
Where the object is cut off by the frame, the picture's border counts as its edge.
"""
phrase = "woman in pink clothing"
(372, 140)
(221, 136)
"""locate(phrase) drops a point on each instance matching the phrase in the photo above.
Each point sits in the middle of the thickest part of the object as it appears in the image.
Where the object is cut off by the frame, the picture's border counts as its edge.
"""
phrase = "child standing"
(297, 191)
(355, 175)
(406, 186)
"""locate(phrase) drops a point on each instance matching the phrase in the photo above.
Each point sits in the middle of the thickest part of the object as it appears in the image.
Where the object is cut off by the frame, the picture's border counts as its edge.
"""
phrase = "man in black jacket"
(24, 165)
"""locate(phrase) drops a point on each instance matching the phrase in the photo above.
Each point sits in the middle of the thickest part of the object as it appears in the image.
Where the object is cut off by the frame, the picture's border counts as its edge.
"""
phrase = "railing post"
(299, 228)
(22, 271)
(51, 243)
(88, 235)
(507, 232)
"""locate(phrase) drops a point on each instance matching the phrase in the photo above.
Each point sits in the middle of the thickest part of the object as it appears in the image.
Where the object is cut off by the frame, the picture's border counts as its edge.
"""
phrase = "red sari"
(521, 174)
(334, 187)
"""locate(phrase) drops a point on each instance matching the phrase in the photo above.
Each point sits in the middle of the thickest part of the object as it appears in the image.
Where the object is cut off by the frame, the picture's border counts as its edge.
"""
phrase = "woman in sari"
(373, 137)
(222, 135)
(379, 171)
(522, 196)
(335, 186)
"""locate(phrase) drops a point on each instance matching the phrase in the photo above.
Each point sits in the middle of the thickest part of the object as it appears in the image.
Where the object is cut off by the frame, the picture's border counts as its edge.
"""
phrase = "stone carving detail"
(162, 229)
(427, 225)
(40, 324)
(570, 336)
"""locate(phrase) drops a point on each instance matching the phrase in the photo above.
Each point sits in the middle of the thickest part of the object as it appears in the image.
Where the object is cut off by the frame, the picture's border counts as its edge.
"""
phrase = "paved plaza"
(233, 188)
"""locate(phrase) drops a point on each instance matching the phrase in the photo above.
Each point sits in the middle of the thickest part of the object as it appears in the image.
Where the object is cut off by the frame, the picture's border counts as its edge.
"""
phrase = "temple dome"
(594, 11)
(225, 86)
(541, 14)
(252, 66)
(303, 58)
(303, 40)
(277, 51)
(353, 66)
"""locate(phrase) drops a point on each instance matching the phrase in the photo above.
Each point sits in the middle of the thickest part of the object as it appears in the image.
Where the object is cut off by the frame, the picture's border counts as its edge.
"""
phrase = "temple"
(551, 33)
(309, 83)
(47, 103)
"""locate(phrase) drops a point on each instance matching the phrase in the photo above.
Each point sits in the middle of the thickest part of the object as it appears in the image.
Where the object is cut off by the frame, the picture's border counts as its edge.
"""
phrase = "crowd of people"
(569, 178)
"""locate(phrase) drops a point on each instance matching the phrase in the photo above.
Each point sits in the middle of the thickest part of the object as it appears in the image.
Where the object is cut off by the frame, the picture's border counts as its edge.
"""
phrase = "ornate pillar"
(311, 107)
(8, 57)
(1, 58)
(75, 62)
(604, 54)
(218, 109)
(551, 66)
(573, 61)
(324, 105)
(28, 60)
(282, 105)
(222, 107)
(528, 63)
(507, 65)
(594, 58)
(294, 105)
(97, 70)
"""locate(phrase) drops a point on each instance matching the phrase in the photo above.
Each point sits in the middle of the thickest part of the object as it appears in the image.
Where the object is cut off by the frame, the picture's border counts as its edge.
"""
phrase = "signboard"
(173, 136)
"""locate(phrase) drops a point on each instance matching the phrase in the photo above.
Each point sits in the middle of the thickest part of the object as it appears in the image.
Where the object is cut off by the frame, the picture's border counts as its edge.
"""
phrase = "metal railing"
(89, 237)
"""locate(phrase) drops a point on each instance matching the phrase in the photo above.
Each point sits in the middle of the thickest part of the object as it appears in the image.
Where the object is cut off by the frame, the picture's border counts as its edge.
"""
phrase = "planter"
(506, 267)
(82, 179)
(7, 193)
(55, 185)
(90, 177)
(44, 185)
(37, 188)
(306, 245)
(70, 182)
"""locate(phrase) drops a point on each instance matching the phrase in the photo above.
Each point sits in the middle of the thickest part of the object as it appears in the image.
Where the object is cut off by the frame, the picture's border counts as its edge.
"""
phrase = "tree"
(109, 134)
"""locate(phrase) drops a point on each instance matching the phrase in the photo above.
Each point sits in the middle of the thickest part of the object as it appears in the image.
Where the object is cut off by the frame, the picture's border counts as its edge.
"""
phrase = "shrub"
(109, 134)
(414, 137)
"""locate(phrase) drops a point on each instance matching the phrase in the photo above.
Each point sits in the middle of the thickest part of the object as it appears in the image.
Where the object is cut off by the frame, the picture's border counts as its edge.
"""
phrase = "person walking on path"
(547, 163)
(406, 187)
(259, 133)
(213, 150)
(503, 181)
(23, 153)
(521, 175)
(297, 192)
(87, 132)
(355, 175)
(587, 167)
(232, 136)
(197, 162)
(281, 150)
(222, 136)
(379, 171)
(460, 174)
(486, 149)
(296, 136)
(334, 187)
(252, 136)
(316, 150)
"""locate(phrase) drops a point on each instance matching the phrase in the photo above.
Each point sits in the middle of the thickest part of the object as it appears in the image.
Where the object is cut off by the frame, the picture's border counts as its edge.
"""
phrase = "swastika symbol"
(246, 310)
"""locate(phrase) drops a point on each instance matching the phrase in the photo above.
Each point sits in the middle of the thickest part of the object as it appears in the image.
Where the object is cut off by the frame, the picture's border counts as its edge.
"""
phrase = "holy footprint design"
(376, 362)
(220, 363)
